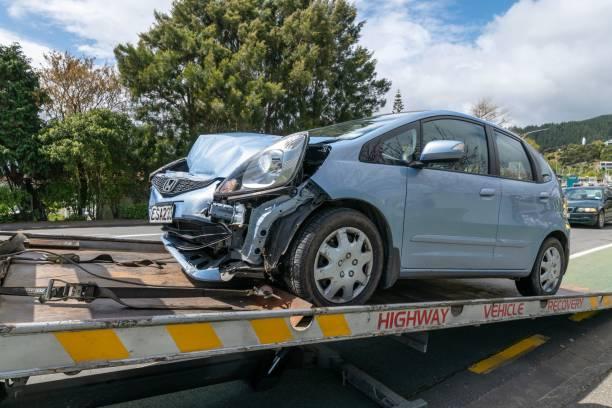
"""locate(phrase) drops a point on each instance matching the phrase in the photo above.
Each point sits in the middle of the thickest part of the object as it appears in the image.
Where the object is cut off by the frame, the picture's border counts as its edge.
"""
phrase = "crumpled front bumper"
(210, 273)
(189, 206)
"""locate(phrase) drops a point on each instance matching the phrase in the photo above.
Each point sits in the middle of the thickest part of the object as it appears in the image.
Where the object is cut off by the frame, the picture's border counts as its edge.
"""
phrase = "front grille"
(192, 235)
(172, 186)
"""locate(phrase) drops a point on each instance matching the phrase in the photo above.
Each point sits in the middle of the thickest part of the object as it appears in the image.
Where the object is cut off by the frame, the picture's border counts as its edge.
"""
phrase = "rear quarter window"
(514, 162)
(544, 171)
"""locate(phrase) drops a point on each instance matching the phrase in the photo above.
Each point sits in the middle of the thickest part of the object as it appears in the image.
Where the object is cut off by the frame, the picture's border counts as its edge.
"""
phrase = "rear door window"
(513, 160)
(472, 135)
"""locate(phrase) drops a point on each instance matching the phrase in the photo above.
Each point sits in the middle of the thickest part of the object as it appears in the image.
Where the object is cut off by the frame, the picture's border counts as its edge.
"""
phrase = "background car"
(589, 205)
(340, 211)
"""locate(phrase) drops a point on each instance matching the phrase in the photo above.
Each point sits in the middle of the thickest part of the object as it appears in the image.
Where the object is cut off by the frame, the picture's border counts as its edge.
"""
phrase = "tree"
(20, 100)
(486, 109)
(606, 153)
(561, 134)
(76, 85)
(575, 154)
(98, 151)
(398, 104)
(273, 66)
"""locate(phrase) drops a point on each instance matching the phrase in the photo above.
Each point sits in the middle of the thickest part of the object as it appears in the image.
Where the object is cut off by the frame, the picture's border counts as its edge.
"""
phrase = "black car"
(589, 205)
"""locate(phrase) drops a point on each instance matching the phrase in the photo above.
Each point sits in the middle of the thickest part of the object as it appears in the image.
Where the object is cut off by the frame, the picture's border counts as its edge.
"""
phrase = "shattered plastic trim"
(264, 216)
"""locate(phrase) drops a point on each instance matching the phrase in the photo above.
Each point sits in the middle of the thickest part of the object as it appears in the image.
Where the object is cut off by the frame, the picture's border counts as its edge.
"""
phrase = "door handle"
(544, 195)
(487, 192)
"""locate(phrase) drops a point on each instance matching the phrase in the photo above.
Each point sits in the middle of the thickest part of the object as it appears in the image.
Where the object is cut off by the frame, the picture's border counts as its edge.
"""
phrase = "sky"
(542, 60)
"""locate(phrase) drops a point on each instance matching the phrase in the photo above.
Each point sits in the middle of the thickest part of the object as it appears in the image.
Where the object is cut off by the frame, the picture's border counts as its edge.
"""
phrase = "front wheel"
(547, 271)
(601, 220)
(336, 259)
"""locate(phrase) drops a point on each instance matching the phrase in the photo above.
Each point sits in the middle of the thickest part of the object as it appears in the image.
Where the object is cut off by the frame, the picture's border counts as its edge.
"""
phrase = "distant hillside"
(560, 134)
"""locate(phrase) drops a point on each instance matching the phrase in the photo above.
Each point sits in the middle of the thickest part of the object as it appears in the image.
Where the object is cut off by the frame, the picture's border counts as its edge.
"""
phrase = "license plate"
(161, 214)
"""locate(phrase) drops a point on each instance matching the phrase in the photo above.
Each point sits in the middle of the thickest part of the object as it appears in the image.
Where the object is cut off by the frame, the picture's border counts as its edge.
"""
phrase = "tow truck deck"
(70, 336)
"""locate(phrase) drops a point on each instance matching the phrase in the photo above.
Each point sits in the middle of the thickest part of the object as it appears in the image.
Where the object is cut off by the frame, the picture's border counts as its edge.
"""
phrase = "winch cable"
(90, 291)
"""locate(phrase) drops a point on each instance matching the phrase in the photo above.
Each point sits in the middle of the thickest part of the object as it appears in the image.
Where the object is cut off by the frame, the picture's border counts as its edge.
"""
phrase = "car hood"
(217, 155)
(583, 203)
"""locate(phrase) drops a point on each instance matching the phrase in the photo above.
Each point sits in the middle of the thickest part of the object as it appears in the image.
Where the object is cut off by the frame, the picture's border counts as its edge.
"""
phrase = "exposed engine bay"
(228, 208)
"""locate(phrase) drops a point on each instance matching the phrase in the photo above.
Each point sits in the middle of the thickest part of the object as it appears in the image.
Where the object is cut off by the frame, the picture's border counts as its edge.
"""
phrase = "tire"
(533, 285)
(600, 223)
(346, 263)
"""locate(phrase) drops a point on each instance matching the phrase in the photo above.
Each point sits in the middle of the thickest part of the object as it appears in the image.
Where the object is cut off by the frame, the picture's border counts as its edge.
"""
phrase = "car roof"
(394, 120)
(411, 116)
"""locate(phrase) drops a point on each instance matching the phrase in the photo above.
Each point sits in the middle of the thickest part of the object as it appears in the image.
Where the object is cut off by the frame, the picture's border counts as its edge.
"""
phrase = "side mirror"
(440, 151)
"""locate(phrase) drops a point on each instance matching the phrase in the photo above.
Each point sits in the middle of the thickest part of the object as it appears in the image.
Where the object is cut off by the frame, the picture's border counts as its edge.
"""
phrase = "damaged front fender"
(283, 215)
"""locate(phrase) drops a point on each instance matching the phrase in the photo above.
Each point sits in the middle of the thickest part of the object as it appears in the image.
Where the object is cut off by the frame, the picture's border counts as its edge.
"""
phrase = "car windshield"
(354, 128)
(584, 194)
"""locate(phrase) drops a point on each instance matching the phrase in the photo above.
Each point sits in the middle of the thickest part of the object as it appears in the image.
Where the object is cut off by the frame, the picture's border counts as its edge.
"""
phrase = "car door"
(450, 221)
(526, 205)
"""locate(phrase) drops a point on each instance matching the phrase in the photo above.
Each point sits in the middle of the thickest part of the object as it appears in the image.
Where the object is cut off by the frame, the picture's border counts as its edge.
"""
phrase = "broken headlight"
(273, 167)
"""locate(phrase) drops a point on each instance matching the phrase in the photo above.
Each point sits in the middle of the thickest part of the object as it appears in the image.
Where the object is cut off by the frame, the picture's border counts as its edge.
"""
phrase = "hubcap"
(343, 265)
(550, 269)
(602, 219)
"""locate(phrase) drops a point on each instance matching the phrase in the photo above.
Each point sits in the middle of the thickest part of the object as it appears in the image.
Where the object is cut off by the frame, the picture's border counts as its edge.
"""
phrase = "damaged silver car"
(335, 213)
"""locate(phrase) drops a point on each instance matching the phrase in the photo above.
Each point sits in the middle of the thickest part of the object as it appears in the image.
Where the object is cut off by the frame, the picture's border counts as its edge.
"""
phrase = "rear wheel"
(547, 272)
(336, 259)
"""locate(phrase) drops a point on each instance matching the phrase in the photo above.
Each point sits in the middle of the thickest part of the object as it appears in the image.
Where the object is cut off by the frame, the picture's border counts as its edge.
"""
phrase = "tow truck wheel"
(336, 259)
(547, 271)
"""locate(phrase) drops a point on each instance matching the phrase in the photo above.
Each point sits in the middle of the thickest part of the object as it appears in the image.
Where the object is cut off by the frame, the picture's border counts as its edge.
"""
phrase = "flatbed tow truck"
(62, 323)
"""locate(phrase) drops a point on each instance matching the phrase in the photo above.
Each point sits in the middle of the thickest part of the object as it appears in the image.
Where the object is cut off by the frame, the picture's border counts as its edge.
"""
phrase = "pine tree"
(271, 66)
(398, 104)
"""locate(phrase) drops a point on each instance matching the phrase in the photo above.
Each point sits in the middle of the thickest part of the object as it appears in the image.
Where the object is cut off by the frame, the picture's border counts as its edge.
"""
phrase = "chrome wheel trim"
(550, 269)
(343, 265)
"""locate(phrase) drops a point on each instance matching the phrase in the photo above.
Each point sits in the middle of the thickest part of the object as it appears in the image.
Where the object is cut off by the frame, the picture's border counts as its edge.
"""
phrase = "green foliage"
(561, 134)
(398, 104)
(574, 154)
(579, 160)
(270, 66)
(10, 201)
(139, 211)
(606, 153)
(55, 217)
(20, 100)
(98, 154)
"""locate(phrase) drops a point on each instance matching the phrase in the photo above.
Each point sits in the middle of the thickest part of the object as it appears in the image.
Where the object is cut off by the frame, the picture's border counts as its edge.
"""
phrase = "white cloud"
(546, 60)
(99, 24)
(31, 49)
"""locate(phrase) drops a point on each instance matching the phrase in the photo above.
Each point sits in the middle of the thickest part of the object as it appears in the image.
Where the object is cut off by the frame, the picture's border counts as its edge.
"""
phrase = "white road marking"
(590, 251)
(136, 235)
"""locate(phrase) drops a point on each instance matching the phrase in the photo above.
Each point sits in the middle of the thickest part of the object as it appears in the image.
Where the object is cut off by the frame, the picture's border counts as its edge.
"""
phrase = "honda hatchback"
(336, 212)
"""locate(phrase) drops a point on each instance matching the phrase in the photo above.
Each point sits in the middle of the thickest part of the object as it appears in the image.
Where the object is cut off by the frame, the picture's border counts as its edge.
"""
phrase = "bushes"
(10, 203)
(138, 211)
